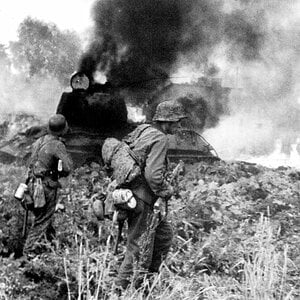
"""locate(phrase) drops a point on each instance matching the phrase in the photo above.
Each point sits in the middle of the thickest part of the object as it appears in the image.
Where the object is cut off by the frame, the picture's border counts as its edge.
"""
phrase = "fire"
(135, 114)
(278, 158)
(100, 77)
(186, 74)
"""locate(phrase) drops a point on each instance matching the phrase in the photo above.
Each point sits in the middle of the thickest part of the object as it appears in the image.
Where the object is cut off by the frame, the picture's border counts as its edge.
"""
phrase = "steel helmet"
(57, 125)
(169, 111)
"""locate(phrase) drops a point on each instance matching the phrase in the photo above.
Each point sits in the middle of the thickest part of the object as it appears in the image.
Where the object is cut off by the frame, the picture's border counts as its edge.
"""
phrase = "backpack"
(120, 161)
(124, 167)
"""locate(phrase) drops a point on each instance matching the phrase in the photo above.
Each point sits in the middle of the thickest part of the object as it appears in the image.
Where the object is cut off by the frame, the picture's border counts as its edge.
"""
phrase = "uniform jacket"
(47, 151)
(150, 145)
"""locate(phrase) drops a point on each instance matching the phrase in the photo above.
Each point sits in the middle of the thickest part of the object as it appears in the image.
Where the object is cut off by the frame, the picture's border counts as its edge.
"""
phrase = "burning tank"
(94, 112)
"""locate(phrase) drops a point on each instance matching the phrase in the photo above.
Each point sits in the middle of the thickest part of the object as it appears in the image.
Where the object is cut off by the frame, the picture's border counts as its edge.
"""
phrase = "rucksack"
(124, 166)
(120, 161)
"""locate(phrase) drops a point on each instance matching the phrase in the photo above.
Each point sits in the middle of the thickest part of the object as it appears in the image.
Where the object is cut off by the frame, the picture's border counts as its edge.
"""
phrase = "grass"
(264, 271)
(263, 275)
(242, 256)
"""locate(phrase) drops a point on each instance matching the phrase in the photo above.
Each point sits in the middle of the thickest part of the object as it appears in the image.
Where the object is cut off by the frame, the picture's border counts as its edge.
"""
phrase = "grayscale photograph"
(150, 150)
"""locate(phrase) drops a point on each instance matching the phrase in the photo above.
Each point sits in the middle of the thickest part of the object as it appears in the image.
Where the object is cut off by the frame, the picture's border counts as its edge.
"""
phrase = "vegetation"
(236, 237)
(42, 49)
(36, 68)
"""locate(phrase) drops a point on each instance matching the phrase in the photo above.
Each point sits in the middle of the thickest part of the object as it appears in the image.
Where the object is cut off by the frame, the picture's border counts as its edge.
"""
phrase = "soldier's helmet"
(169, 111)
(57, 125)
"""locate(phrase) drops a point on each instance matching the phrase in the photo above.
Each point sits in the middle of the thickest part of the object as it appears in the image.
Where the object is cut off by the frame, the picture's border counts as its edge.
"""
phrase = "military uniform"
(46, 152)
(149, 238)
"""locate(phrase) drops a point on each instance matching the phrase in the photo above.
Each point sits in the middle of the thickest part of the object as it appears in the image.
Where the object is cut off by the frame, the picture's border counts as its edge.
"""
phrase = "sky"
(66, 14)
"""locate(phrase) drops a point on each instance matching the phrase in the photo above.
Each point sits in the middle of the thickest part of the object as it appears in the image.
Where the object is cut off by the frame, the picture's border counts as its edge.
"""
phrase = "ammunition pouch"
(36, 191)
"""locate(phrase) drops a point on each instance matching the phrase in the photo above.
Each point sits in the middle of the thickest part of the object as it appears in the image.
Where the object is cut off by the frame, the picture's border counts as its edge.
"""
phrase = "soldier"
(149, 237)
(48, 152)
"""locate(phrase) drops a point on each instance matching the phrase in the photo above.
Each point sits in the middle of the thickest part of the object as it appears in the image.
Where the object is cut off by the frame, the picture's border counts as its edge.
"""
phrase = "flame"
(186, 74)
(278, 158)
(100, 77)
(135, 114)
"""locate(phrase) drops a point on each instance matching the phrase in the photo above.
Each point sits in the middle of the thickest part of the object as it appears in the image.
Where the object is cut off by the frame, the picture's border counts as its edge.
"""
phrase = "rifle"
(119, 236)
(174, 175)
(119, 217)
(25, 205)
(157, 205)
(25, 220)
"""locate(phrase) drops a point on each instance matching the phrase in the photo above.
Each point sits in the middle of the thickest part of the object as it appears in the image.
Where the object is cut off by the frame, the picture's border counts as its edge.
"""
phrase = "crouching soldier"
(149, 235)
(48, 162)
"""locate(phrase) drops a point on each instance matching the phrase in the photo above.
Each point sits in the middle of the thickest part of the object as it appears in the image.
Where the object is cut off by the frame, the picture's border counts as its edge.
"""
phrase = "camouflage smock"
(148, 237)
(150, 145)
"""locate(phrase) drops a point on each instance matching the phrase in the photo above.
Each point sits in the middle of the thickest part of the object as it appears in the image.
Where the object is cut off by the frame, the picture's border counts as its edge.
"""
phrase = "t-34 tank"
(95, 112)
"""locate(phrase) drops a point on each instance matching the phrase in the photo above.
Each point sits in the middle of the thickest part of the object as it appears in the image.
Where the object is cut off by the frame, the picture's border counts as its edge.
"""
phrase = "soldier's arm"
(155, 168)
(67, 164)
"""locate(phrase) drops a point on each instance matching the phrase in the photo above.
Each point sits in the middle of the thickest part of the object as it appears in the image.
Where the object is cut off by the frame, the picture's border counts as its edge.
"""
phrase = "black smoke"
(140, 40)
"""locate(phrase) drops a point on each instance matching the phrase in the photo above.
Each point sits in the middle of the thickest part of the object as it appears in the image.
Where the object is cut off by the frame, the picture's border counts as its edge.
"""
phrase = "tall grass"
(94, 278)
(265, 271)
(93, 268)
(263, 267)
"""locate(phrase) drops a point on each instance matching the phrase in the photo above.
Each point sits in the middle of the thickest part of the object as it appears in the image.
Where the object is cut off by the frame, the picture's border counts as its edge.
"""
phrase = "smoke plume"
(138, 40)
(264, 106)
(252, 45)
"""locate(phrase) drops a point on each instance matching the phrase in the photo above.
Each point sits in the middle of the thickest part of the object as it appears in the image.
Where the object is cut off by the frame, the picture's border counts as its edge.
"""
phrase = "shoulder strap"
(130, 150)
(35, 155)
(137, 133)
(134, 156)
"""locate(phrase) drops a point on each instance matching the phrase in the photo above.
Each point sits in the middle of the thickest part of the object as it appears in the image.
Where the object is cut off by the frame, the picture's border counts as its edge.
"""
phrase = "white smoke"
(35, 95)
(264, 104)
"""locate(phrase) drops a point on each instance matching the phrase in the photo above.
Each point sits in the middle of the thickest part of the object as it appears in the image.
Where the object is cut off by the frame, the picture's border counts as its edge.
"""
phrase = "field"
(236, 236)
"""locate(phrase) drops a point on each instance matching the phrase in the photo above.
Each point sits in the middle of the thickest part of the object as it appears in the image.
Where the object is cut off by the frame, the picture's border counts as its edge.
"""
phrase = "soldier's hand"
(27, 202)
(168, 193)
(176, 192)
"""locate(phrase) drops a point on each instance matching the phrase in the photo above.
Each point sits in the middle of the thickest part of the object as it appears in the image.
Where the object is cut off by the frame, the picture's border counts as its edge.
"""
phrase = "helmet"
(169, 111)
(57, 125)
